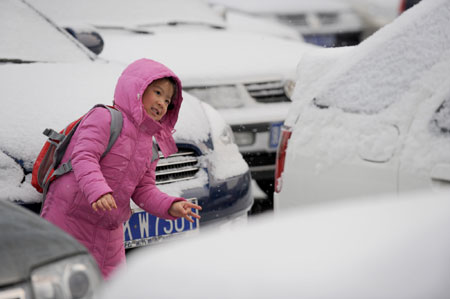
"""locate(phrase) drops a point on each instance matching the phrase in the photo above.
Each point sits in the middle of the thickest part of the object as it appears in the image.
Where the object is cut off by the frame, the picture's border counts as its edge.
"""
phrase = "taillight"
(402, 6)
(281, 157)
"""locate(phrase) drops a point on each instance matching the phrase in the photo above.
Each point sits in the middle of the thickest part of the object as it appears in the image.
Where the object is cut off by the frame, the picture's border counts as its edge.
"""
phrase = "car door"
(425, 158)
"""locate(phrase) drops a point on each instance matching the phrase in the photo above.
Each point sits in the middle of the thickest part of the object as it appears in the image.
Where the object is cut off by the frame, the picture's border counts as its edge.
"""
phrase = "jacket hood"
(128, 98)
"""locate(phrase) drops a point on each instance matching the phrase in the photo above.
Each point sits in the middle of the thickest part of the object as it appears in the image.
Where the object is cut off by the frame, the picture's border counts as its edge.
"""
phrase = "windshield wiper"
(125, 28)
(15, 60)
(176, 23)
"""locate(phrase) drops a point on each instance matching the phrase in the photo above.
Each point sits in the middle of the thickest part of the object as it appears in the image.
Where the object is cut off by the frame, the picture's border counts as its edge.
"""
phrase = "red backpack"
(48, 167)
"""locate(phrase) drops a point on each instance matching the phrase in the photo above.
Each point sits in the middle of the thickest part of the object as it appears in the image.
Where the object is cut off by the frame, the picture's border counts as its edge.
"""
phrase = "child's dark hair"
(175, 91)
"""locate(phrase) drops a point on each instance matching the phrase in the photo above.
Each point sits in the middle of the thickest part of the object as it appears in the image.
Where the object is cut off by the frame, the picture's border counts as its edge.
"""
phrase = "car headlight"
(226, 137)
(289, 87)
(73, 278)
(224, 96)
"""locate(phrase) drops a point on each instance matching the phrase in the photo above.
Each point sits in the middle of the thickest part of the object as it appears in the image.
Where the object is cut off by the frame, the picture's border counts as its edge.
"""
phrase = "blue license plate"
(326, 40)
(275, 133)
(143, 229)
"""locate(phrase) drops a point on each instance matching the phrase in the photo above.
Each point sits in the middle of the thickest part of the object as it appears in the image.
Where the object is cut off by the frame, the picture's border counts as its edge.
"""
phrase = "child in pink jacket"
(93, 201)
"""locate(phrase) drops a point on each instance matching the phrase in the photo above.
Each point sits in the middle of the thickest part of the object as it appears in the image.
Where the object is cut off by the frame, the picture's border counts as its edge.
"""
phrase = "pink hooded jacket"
(126, 171)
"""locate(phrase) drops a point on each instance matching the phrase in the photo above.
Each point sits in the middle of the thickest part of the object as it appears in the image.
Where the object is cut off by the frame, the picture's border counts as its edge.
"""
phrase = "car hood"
(27, 241)
(37, 96)
(202, 56)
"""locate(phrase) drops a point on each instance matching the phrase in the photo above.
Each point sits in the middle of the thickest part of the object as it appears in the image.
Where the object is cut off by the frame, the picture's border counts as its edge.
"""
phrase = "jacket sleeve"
(149, 198)
(91, 139)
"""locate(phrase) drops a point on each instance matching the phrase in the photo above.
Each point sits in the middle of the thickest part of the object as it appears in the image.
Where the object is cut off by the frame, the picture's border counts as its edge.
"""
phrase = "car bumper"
(223, 199)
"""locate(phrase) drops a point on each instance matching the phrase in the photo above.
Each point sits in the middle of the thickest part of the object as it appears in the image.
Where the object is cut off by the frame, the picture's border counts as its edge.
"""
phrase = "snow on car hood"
(38, 96)
(209, 56)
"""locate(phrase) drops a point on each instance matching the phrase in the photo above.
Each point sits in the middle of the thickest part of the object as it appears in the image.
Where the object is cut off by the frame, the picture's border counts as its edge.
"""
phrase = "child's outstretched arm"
(149, 198)
(184, 209)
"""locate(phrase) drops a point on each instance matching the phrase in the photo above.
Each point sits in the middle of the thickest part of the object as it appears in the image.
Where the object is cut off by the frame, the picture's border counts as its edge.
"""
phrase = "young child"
(93, 201)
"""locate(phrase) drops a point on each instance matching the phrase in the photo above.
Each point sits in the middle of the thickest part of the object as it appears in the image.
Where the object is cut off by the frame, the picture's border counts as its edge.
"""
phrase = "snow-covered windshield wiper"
(177, 23)
(15, 60)
(125, 28)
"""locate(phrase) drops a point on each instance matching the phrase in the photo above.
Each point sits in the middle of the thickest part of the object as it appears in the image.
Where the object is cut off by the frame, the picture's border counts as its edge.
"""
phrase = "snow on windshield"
(383, 67)
(34, 39)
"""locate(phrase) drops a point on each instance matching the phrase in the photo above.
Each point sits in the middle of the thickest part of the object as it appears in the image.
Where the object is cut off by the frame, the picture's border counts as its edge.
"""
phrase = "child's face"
(157, 97)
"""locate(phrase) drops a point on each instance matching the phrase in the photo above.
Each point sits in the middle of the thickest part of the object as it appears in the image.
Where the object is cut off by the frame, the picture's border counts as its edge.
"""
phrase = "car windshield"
(34, 40)
(132, 13)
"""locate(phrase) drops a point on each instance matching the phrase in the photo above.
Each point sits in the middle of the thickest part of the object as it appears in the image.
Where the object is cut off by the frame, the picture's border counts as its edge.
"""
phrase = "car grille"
(180, 166)
(328, 18)
(294, 20)
(267, 92)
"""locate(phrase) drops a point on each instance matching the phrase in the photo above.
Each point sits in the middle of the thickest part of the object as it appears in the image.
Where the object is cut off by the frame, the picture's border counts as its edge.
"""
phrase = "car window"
(441, 118)
(35, 39)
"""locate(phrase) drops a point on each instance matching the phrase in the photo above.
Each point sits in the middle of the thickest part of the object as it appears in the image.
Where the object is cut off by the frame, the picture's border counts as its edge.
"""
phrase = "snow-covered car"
(327, 23)
(374, 118)
(366, 248)
(40, 260)
(246, 77)
(49, 79)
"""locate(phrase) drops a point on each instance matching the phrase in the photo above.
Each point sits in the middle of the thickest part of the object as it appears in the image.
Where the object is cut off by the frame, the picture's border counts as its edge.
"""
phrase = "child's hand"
(106, 202)
(183, 209)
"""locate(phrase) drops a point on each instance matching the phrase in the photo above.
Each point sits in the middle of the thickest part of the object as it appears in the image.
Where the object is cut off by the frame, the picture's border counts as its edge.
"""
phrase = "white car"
(247, 77)
(48, 80)
(374, 118)
(327, 23)
(366, 248)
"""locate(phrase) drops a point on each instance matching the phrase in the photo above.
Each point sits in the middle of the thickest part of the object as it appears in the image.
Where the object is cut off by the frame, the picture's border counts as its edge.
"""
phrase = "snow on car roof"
(382, 68)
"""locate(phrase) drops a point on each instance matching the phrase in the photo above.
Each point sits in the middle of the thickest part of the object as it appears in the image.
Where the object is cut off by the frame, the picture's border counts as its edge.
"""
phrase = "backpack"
(48, 167)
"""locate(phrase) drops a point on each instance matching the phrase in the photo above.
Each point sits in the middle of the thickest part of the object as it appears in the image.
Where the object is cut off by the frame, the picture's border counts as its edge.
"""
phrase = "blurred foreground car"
(365, 248)
(327, 23)
(246, 77)
(375, 118)
(41, 261)
(49, 79)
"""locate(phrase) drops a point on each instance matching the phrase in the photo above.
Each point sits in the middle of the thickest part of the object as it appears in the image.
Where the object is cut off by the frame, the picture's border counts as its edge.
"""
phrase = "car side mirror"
(89, 38)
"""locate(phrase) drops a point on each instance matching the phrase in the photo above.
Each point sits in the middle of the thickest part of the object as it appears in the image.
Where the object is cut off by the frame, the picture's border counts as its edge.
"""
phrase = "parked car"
(41, 261)
(327, 23)
(367, 248)
(375, 13)
(373, 118)
(246, 77)
(406, 4)
(49, 79)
